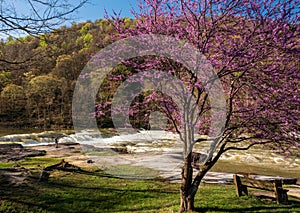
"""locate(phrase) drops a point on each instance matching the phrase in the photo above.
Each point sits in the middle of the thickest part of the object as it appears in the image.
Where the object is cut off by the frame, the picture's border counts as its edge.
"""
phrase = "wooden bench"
(275, 185)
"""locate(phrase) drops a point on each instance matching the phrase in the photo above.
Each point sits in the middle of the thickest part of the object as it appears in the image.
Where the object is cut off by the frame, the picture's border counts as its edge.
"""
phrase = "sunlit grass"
(131, 172)
(31, 162)
(6, 165)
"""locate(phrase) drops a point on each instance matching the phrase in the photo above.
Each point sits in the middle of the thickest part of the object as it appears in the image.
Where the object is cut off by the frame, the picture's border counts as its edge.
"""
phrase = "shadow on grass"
(85, 191)
(250, 209)
(105, 200)
(264, 206)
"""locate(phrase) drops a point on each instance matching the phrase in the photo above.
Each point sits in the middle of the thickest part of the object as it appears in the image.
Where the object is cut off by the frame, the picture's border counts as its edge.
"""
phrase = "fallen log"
(63, 165)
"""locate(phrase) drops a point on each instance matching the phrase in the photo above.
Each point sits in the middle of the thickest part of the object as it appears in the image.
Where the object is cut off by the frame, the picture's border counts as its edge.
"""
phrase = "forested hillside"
(38, 74)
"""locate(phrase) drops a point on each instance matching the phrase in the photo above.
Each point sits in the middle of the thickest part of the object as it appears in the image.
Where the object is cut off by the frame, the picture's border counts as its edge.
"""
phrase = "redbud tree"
(254, 49)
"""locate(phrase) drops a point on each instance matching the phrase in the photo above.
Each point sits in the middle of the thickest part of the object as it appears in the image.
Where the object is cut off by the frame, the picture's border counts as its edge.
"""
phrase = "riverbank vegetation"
(38, 74)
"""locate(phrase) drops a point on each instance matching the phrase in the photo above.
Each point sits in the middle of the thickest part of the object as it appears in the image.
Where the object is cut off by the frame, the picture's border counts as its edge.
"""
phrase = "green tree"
(13, 101)
(69, 66)
(86, 38)
(4, 79)
(44, 94)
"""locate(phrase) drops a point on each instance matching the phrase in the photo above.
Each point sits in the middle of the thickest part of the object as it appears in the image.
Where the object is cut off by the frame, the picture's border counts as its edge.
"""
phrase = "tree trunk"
(187, 200)
(189, 187)
(187, 203)
(45, 120)
(188, 191)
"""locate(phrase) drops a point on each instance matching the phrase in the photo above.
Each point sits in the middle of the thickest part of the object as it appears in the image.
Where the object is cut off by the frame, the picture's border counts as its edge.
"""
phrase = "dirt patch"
(70, 152)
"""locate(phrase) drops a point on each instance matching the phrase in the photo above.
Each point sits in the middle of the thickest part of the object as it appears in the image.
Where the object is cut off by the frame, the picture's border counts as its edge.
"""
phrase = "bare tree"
(35, 17)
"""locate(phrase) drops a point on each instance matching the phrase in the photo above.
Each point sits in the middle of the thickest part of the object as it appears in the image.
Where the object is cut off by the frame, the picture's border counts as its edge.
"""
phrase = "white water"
(158, 142)
(30, 139)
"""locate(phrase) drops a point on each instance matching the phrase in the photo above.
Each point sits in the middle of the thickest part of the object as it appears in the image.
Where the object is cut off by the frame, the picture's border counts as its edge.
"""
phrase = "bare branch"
(41, 17)
(247, 147)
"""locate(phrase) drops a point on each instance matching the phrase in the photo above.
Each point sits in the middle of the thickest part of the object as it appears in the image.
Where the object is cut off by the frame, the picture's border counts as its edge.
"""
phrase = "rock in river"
(15, 152)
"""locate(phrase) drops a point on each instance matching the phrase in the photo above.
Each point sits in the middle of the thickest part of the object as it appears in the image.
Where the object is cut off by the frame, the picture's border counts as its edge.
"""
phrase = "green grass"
(95, 191)
(6, 165)
(128, 171)
(31, 162)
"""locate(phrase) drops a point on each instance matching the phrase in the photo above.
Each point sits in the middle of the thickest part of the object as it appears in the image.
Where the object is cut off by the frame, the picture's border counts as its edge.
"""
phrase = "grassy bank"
(95, 191)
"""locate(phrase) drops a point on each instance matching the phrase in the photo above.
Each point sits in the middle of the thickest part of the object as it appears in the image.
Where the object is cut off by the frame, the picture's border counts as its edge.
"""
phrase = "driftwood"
(242, 184)
(63, 165)
(17, 176)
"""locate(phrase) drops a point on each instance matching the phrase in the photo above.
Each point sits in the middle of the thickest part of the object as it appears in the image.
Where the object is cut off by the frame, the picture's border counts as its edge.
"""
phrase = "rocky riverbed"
(15, 152)
(143, 154)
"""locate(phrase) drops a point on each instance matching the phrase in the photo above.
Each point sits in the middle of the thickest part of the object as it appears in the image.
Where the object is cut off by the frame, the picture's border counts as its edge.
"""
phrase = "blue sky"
(96, 9)
(91, 11)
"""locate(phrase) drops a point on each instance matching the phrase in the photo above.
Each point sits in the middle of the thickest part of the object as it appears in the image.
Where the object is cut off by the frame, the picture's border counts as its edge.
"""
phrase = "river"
(155, 150)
